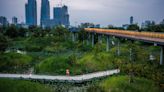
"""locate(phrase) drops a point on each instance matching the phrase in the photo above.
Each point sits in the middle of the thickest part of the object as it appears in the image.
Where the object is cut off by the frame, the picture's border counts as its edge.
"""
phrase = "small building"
(3, 21)
(15, 20)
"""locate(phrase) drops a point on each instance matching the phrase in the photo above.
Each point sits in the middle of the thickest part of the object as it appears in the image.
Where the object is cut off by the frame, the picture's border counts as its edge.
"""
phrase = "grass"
(122, 84)
(57, 65)
(53, 65)
(13, 62)
(9, 85)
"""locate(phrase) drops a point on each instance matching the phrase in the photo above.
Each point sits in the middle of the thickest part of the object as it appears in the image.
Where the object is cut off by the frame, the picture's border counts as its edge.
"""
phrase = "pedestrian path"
(77, 78)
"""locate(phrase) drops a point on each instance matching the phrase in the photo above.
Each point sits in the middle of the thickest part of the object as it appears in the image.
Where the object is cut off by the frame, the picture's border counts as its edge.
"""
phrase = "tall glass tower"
(45, 11)
(61, 15)
(31, 13)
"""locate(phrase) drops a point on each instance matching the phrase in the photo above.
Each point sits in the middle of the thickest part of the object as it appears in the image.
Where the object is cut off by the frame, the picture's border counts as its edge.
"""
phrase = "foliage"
(133, 27)
(155, 28)
(141, 65)
(12, 32)
(121, 84)
(82, 35)
(53, 52)
(53, 65)
(4, 42)
(8, 85)
(14, 62)
(85, 64)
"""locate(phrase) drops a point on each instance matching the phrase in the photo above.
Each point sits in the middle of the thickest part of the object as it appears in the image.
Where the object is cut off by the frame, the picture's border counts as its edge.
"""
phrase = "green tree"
(12, 32)
(22, 32)
(133, 27)
(155, 28)
(82, 35)
(3, 43)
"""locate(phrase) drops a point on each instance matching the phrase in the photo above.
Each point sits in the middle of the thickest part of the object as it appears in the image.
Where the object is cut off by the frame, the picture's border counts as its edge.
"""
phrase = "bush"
(14, 62)
(8, 85)
(53, 65)
(122, 84)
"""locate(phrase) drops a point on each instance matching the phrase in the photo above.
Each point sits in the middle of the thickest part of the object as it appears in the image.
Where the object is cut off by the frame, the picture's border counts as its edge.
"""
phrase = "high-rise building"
(61, 15)
(31, 13)
(3, 21)
(15, 20)
(131, 20)
(45, 11)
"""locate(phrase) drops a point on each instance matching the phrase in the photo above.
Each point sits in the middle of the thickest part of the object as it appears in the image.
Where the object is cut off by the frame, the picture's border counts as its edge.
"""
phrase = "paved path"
(63, 78)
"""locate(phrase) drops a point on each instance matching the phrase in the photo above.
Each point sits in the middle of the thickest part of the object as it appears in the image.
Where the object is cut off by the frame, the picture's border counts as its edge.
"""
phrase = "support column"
(88, 37)
(93, 39)
(76, 36)
(100, 38)
(118, 48)
(73, 36)
(107, 43)
(162, 55)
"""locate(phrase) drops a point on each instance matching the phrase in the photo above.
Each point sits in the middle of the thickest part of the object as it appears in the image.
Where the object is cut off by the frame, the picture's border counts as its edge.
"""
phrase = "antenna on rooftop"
(61, 3)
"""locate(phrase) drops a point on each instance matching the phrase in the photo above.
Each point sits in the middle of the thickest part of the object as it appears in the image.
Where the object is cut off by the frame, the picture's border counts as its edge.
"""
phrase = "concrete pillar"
(107, 43)
(88, 37)
(93, 39)
(73, 36)
(76, 36)
(118, 48)
(100, 38)
(162, 55)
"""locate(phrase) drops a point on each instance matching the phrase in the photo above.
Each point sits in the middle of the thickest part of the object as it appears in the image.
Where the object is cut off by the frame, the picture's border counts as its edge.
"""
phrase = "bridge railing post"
(162, 55)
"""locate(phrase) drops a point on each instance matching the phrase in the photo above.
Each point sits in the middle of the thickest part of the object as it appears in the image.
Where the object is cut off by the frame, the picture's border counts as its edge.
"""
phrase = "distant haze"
(104, 12)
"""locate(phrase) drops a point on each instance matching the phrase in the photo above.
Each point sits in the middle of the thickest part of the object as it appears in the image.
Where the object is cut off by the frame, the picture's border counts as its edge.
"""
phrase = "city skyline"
(102, 12)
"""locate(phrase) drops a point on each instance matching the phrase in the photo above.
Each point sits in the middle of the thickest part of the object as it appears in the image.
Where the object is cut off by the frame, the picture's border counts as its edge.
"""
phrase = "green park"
(52, 52)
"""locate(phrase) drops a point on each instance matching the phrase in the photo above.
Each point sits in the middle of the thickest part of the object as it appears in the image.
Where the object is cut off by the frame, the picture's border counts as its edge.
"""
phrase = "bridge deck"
(78, 78)
(151, 37)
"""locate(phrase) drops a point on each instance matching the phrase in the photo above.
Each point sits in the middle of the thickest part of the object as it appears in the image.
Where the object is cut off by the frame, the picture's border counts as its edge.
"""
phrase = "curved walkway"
(77, 78)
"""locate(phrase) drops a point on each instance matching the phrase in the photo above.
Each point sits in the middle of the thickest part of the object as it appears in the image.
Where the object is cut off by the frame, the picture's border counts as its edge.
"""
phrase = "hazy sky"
(104, 12)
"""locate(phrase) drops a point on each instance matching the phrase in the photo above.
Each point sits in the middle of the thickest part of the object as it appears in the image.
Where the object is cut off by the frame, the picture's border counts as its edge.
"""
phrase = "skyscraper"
(45, 11)
(31, 13)
(131, 20)
(61, 15)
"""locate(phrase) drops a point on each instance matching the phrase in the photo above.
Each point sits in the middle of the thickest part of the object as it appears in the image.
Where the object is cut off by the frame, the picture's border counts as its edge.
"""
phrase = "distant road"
(77, 78)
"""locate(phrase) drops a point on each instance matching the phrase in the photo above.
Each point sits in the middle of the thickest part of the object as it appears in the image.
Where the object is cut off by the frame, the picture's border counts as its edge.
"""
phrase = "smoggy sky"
(104, 12)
